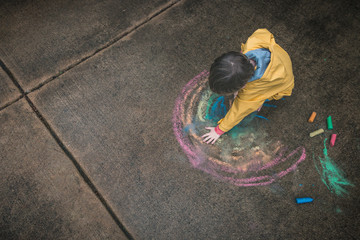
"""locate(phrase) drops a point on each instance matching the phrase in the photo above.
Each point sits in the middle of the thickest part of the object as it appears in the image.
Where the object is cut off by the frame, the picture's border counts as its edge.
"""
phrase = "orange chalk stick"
(312, 117)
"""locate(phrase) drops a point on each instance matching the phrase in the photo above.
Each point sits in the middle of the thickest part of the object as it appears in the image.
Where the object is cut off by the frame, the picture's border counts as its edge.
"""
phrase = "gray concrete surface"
(111, 115)
(41, 39)
(42, 195)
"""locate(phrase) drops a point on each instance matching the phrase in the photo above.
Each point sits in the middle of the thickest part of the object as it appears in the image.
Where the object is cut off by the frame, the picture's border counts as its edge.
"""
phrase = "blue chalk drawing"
(216, 109)
(269, 105)
(262, 117)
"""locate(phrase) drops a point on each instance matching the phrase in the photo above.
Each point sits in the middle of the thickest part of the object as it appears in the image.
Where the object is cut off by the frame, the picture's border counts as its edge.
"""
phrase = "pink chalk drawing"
(245, 156)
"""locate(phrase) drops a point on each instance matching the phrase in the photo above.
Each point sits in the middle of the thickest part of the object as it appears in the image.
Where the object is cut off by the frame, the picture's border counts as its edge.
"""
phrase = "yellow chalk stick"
(317, 132)
(312, 117)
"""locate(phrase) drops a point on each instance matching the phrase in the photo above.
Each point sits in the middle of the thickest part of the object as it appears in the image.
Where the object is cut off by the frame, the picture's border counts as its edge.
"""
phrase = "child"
(261, 71)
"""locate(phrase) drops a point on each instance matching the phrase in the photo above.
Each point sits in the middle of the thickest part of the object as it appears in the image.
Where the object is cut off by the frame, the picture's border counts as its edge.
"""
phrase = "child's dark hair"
(230, 72)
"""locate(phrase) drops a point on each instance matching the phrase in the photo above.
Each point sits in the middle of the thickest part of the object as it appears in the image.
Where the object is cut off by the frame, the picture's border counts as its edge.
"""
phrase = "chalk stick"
(304, 200)
(312, 117)
(329, 122)
(332, 139)
(317, 132)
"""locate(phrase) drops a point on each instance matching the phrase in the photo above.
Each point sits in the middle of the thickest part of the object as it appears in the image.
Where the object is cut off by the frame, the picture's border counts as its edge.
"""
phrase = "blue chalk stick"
(304, 200)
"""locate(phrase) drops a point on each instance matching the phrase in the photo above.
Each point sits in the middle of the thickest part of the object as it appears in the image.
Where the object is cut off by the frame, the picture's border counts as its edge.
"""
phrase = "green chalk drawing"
(331, 175)
(203, 105)
(338, 210)
(237, 132)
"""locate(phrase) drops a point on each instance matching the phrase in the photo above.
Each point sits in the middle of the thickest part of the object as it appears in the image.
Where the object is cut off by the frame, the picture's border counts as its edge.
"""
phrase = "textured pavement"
(87, 96)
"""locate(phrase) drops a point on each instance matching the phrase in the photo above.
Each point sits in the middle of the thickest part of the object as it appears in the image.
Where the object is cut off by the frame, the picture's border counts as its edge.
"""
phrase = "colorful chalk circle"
(244, 156)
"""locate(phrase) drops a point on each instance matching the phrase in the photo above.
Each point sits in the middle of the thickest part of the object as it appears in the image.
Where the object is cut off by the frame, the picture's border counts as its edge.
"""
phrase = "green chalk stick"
(317, 132)
(329, 122)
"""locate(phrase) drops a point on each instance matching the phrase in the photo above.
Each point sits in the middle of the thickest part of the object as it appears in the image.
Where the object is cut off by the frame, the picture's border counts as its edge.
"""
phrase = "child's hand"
(211, 136)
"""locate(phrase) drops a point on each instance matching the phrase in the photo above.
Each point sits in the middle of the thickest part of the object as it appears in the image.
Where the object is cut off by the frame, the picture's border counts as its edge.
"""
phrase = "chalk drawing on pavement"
(331, 175)
(243, 156)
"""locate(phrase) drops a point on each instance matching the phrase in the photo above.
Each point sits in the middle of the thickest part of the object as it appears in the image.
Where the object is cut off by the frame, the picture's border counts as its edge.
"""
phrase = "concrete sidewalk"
(87, 145)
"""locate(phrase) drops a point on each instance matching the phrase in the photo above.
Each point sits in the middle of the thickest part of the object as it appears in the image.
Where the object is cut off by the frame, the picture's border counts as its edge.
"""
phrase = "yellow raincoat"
(276, 82)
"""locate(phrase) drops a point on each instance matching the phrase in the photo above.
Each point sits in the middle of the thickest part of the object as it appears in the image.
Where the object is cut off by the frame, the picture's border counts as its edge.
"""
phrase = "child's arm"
(252, 97)
(238, 111)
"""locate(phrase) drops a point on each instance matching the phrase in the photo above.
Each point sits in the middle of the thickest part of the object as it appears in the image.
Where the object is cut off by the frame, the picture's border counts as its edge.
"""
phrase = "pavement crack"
(11, 76)
(67, 152)
(111, 42)
(10, 103)
(15, 82)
